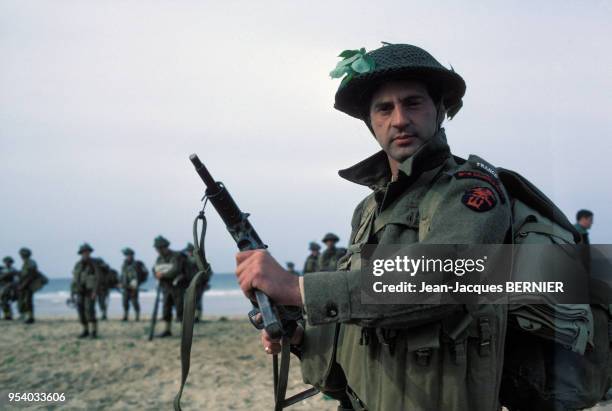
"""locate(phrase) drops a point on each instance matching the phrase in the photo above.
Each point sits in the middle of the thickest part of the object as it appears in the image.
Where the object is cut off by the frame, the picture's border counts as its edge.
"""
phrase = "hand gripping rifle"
(278, 321)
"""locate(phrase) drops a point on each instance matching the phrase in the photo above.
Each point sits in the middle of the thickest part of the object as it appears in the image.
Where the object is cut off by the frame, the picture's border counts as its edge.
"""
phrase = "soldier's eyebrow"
(414, 97)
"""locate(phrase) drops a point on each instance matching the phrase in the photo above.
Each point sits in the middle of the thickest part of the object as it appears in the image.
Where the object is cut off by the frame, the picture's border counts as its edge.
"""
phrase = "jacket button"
(332, 310)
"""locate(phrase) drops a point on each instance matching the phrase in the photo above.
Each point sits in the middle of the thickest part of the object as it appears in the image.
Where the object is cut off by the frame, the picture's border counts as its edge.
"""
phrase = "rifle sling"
(280, 376)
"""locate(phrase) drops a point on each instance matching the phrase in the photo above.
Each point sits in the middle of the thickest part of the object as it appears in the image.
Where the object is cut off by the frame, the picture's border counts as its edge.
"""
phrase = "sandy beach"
(121, 370)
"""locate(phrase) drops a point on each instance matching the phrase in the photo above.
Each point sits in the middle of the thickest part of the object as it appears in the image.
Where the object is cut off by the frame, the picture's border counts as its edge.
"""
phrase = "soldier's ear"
(441, 113)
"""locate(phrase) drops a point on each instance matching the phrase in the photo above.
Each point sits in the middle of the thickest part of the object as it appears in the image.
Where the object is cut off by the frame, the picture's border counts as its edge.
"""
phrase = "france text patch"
(479, 199)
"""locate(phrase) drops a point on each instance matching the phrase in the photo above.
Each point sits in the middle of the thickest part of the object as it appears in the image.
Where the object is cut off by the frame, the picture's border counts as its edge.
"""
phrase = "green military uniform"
(312, 261)
(408, 357)
(584, 233)
(133, 273)
(29, 272)
(86, 277)
(8, 285)
(291, 268)
(328, 259)
(192, 270)
(174, 280)
(104, 286)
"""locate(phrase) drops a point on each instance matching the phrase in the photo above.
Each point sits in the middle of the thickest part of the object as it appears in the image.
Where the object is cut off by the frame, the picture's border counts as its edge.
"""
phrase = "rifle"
(278, 321)
(155, 308)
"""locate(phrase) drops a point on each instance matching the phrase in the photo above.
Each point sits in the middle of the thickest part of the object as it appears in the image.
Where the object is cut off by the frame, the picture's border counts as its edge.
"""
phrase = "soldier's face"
(129, 258)
(586, 222)
(330, 243)
(403, 117)
(85, 255)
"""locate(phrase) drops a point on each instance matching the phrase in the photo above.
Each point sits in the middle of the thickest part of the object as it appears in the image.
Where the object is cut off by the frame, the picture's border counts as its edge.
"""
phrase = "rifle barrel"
(203, 173)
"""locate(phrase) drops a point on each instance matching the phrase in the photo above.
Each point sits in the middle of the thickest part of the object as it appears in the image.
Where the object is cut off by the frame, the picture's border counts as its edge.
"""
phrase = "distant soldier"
(109, 278)
(133, 273)
(86, 278)
(8, 284)
(329, 258)
(584, 221)
(171, 271)
(291, 268)
(29, 273)
(312, 261)
(192, 269)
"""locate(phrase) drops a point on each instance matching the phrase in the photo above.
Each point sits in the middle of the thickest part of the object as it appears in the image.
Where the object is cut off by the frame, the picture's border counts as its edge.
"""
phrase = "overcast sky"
(101, 104)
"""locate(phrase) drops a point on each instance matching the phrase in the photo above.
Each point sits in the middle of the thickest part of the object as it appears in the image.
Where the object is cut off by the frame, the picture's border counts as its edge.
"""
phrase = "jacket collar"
(374, 171)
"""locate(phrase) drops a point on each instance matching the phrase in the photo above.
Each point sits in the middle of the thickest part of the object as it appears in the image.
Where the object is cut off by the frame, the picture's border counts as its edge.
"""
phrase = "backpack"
(141, 272)
(105, 272)
(545, 369)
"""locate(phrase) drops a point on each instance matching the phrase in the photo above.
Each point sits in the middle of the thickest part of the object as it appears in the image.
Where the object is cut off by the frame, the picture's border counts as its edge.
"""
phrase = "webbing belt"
(281, 375)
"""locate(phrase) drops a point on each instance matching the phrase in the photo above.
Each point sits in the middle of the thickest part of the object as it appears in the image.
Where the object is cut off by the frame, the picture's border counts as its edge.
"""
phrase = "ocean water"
(223, 298)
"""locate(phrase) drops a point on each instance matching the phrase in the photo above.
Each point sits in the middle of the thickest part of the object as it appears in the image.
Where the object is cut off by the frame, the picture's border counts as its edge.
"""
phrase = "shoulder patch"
(483, 177)
(479, 199)
(482, 165)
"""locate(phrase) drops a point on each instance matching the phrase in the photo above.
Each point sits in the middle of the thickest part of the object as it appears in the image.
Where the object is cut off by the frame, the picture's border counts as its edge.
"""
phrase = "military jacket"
(131, 273)
(584, 233)
(328, 259)
(29, 272)
(87, 275)
(8, 276)
(173, 268)
(311, 265)
(400, 357)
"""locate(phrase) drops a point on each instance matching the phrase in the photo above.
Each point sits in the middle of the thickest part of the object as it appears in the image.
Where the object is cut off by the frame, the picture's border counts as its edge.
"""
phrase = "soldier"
(29, 273)
(192, 269)
(8, 284)
(405, 357)
(133, 273)
(86, 278)
(329, 258)
(291, 268)
(584, 221)
(312, 261)
(108, 280)
(171, 271)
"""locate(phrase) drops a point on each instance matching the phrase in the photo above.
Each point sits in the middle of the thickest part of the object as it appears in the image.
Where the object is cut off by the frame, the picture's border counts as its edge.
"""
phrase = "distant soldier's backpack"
(39, 282)
(557, 357)
(112, 279)
(141, 272)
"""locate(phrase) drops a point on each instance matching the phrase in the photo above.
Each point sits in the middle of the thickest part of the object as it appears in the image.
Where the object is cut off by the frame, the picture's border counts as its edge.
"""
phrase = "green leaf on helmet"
(348, 53)
(362, 65)
(346, 79)
(353, 62)
(339, 71)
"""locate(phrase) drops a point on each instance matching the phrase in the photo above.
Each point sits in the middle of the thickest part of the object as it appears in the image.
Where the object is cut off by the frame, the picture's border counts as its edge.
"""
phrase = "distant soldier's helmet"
(290, 265)
(314, 246)
(398, 62)
(25, 252)
(189, 248)
(85, 247)
(331, 237)
(8, 260)
(160, 242)
(127, 251)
